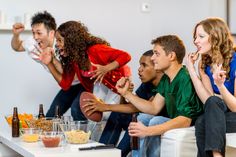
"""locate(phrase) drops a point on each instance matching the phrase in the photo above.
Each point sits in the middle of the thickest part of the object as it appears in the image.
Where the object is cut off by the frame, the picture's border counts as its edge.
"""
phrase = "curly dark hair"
(77, 40)
(46, 18)
(221, 42)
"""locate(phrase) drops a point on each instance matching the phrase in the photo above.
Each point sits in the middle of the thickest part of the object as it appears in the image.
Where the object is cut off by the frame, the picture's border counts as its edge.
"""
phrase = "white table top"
(67, 150)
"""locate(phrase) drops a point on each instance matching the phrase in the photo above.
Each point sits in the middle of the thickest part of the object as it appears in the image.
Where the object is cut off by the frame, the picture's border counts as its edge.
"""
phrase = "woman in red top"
(89, 57)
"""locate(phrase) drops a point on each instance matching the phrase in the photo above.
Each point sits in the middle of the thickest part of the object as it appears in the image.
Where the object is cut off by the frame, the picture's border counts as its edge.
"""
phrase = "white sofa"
(182, 143)
(179, 143)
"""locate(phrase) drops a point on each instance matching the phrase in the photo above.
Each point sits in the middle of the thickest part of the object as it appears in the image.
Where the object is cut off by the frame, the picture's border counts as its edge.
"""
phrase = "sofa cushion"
(182, 143)
(179, 143)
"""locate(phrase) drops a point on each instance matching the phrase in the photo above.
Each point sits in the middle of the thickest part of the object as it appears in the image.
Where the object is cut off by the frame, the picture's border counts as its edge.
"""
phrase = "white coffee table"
(7, 144)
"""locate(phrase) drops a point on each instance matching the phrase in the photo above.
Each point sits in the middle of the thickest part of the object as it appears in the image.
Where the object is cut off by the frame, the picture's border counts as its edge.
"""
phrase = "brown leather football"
(95, 116)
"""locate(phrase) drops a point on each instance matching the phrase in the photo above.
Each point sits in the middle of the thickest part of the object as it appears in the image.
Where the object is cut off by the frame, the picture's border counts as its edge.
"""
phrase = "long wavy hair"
(221, 42)
(77, 41)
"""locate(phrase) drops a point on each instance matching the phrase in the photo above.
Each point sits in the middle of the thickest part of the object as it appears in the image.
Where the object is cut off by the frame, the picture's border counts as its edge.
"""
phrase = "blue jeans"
(67, 99)
(114, 126)
(150, 146)
(145, 118)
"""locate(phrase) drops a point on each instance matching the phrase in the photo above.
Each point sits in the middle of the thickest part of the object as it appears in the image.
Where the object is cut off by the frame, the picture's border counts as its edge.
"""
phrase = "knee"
(157, 120)
(143, 117)
(214, 102)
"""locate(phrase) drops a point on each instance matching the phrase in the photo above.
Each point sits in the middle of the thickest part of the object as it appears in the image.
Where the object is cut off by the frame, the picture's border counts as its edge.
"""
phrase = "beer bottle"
(134, 142)
(57, 112)
(15, 123)
(41, 114)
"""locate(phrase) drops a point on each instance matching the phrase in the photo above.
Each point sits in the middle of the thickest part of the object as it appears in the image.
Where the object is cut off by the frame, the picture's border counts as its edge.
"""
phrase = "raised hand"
(219, 75)
(137, 129)
(194, 56)
(46, 55)
(123, 85)
(99, 73)
(191, 59)
(131, 87)
(17, 28)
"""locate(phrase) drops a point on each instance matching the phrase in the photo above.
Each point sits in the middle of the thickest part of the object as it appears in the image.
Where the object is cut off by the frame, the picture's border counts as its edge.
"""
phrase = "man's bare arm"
(140, 130)
(16, 42)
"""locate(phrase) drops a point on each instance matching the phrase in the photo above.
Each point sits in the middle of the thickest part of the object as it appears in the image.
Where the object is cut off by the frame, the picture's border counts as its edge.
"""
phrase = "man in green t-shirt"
(175, 91)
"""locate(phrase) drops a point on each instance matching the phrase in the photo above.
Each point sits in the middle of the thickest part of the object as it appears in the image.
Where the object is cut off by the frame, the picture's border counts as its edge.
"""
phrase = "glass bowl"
(77, 132)
(45, 124)
(22, 117)
(51, 138)
(30, 134)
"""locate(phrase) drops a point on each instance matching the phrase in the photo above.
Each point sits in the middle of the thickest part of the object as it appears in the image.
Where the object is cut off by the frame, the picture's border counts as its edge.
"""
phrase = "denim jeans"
(150, 146)
(145, 118)
(67, 99)
(114, 126)
(211, 128)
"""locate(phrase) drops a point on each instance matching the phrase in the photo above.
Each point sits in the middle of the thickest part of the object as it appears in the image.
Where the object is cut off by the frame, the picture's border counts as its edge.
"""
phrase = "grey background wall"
(25, 84)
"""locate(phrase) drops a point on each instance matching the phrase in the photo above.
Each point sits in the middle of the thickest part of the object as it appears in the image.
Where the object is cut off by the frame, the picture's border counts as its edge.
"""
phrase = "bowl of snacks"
(45, 124)
(77, 132)
(51, 138)
(22, 117)
(30, 134)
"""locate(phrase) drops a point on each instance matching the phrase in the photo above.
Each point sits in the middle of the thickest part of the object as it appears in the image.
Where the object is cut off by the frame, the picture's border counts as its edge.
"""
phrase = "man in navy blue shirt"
(120, 117)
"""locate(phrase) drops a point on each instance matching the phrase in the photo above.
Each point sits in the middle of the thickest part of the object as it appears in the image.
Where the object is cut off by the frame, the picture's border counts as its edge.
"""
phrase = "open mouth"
(139, 75)
(61, 51)
(40, 44)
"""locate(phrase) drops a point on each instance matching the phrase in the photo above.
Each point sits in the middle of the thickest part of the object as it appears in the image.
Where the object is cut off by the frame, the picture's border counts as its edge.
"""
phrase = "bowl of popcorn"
(77, 132)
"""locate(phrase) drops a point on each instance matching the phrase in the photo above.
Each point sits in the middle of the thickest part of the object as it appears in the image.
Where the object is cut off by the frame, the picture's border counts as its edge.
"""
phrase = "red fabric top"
(103, 55)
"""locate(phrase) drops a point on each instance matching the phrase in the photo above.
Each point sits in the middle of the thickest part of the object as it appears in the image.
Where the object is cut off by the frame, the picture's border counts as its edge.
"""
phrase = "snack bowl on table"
(51, 138)
(77, 132)
(45, 124)
(30, 134)
(22, 117)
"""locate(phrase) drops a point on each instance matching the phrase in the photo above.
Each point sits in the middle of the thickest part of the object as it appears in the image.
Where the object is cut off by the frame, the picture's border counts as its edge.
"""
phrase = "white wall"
(25, 84)
(180, 16)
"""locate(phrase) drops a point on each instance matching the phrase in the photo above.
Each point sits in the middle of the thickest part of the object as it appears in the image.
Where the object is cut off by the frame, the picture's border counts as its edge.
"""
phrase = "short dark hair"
(45, 18)
(171, 43)
(148, 53)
